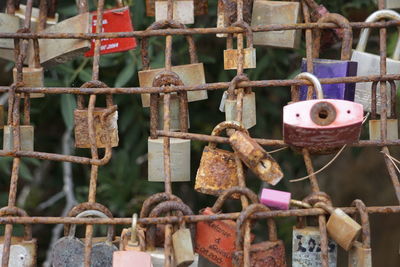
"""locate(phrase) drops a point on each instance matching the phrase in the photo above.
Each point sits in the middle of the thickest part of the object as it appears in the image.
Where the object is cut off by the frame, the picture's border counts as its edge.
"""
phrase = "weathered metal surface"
(200, 7)
(23, 253)
(391, 4)
(249, 110)
(32, 77)
(26, 137)
(182, 244)
(8, 23)
(175, 114)
(231, 57)
(183, 11)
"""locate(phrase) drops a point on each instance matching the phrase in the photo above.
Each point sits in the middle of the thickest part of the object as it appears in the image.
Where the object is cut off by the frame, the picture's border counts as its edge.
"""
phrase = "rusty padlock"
(340, 226)
(255, 157)
(321, 125)
(8, 23)
(269, 253)
(276, 12)
(360, 255)
(229, 8)
(215, 240)
(249, 53)
(183, 11)
(200, 7)
(104, 121)
(229, 105)
(391, 122)
(191, 74)
(218, 169)
(23, 250)
(130, 250)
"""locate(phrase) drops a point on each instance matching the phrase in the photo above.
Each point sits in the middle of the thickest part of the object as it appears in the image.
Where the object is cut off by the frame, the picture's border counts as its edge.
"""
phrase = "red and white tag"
(114, 20)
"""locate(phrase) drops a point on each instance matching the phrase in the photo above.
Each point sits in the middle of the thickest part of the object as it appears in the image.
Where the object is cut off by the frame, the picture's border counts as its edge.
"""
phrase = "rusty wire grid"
(10, 214)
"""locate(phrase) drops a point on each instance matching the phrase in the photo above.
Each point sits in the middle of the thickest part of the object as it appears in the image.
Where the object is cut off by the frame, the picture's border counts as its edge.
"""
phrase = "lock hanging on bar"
(69, 250)
(200, 7)
(182, 244)
(369, 64)
(215, 240)
(269, 253)
(249, 53)
(328, 68)
(191, 74)
(276, 12)
(183, 11)
(104, 121)
(23, 250)
(322, 125)
(360, 255)
(26, 137)
(391, 122)
(229, 104)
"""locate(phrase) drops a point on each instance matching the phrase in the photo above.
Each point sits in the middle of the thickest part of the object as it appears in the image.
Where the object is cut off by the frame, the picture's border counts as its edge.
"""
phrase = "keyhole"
(21, 257)
(323, 114)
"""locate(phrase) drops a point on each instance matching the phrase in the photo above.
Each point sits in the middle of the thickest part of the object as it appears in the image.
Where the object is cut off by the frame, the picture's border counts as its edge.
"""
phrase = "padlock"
(321, 125)
(191, 74)
(229, 8)
(269, 253)
(255, 157)
(391, 4)
(329, 68)
(130, 251)
(104, 121)
(340, 226)
(182, 244)
(183, 11)
(218, 169)
(200, 7)
(175, 112)
(391, 122)
(369, 64)
(280, 199)
(114, 20)
(69, 250)
(23, 250)
(249, 117)
(35, 16)
(360, 255)
(26, 133)
(8, 23)
(249, 53)
(215, 240)
(276, 12)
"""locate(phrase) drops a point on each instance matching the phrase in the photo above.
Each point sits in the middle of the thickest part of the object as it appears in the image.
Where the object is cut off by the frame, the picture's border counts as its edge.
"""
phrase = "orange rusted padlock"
(215, 240)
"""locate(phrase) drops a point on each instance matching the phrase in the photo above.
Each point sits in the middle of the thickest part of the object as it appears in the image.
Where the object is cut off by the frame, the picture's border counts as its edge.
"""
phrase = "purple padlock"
(329, 68)
(280, 200)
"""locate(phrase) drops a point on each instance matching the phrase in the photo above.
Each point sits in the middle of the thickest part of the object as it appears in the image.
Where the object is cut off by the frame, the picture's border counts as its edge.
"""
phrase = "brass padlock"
(69, 250)
(341, 227)
(276, 12)
(269, 253)
(104, 121)
(360, 255)
(26, 137)
(255, 157)
(249, 117)
(249, 53)
(23, 250)
(182, 244)
(200, 7)
(183, 11)
(191, 74)
(391, 122)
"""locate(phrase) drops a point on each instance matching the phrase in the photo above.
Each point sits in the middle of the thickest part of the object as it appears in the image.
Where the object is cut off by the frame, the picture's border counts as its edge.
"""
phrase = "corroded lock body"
(221, 18)
(191, 74)
(391, 122)
(321, 125)
(182, 244)
(328, 68)
(340, 226)
(218, 169)
(360, 255)
(183, 11)
(26, 137)
(104, 121)
(69, 250)
(255, 157)
(229, 8)
(215, 240)
(276, 12)
(200, 7)
(269, 253)
(23, 250)
(249, 53)
(369, 64)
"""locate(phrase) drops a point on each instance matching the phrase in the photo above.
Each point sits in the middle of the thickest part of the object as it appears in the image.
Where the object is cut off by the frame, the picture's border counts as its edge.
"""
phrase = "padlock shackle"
(374, 17)
(244, 191)
(325, 207)
(224, 126)
(249, 33)
(18, 212)
(311, 200)
(341, 22)
(244, 216)
(374, 97)
(94, 84)
(154, 200)
(365, 226)
(233, 85)
(295, 89)
(165, 24)
(134, 238)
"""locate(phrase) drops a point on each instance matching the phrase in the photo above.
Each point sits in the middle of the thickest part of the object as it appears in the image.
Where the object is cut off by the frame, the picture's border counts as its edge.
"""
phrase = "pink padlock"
(321, 124)
(280, 199)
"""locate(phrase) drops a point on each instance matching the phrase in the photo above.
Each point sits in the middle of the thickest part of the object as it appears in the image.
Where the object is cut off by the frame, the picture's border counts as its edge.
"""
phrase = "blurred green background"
(123, 185)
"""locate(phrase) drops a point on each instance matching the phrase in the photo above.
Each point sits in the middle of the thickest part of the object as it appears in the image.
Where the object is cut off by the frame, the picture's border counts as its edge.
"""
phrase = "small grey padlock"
(183, 246)
(26, 133)
(69, 251)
